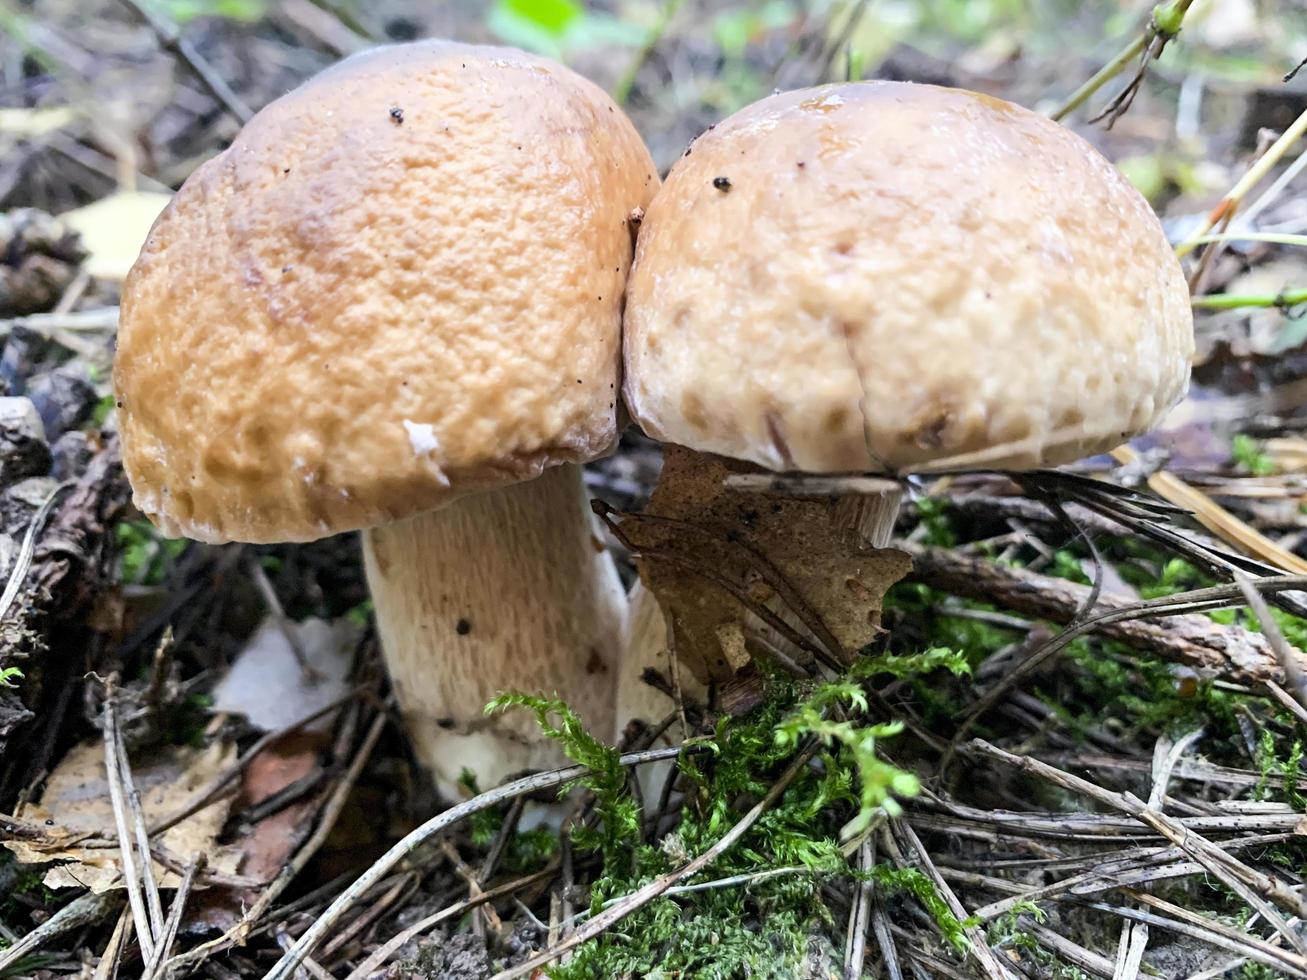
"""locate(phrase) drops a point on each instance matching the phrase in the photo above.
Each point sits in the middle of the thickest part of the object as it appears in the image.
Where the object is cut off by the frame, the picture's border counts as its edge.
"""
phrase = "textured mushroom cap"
(401, 283)
(886, 276)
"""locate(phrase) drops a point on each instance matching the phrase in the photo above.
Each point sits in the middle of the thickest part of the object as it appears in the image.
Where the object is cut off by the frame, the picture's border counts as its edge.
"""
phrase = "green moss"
(144, 553)
(1250, 457)
(765, 927)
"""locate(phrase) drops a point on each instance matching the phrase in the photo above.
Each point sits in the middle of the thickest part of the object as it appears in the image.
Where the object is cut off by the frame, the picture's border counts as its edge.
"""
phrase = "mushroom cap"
(401, 283)
(889, 277)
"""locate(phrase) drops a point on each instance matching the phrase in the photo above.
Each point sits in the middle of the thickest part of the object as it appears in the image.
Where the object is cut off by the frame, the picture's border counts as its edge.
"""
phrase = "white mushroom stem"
(509, 589)
(644, 648)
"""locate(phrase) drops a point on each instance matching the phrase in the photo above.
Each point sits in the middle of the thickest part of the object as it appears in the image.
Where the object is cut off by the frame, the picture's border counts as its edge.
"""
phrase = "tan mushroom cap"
(886, 276)
(401, 283)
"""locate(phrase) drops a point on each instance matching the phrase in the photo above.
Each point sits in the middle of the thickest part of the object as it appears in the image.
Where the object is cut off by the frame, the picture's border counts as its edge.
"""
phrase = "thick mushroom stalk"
(394, 305)
(509, 589)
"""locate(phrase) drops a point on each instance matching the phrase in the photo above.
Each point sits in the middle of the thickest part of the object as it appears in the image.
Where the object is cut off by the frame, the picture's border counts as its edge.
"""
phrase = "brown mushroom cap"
(401, 283)
(886, 276)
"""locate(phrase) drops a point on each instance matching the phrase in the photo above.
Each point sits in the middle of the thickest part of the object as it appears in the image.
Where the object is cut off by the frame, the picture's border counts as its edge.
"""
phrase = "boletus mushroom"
(394, 304)
(866, 280)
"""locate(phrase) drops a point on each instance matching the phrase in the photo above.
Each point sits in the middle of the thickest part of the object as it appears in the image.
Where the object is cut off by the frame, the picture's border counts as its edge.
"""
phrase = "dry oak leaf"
(739, 570)
(75, 804)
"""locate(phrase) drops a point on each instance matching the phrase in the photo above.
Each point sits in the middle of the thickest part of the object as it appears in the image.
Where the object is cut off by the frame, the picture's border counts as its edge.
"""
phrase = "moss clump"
(776, 918)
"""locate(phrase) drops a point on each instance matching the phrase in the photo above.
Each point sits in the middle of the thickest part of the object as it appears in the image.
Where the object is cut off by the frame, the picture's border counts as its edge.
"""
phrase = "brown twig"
(1245, 881)
(170, 36)
(1195, 641)
(437, 825)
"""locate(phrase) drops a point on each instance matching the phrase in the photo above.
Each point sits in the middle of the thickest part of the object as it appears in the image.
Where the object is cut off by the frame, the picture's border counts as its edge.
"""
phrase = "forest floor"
(1091, 714)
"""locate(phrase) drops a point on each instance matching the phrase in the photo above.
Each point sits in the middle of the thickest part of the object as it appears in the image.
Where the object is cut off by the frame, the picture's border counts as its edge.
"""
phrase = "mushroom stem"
(507, 589)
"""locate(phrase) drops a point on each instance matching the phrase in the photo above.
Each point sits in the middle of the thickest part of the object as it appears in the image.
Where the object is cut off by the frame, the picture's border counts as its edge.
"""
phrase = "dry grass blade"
(1166, 754)
(83, 911)
(1215, 934)
(169, 934)
(25, 551)
(145, 932)
(153, 903)
(1130, 951)
(1216, 518)
(988, 961)
(1245, 881)
(171, 38)
(855, 944)
(379, 956)
(1073, 953)
(326, 922)
(1229, 204)
(107, 967)
(1294, 674)
(1132, 866)
(880, 925)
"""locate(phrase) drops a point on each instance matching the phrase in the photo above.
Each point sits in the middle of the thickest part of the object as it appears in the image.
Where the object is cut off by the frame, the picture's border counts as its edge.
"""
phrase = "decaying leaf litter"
(1060, 790)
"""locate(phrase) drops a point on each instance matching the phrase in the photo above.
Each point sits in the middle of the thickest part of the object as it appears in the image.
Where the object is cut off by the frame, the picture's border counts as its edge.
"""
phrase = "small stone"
(23, 449)
(22, 500)
(70, 453)
(64, 397)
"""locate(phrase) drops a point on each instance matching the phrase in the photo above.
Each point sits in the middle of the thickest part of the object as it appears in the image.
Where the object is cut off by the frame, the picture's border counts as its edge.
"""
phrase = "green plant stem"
(1165, 21)
(1234, 301)
(1230, 203)
(1269, 237)
(622, 90)
(1101, 77)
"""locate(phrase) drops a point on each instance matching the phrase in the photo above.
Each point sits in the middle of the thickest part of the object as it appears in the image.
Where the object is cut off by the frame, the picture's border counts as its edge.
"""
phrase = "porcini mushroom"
(887, 278)
(394, 304)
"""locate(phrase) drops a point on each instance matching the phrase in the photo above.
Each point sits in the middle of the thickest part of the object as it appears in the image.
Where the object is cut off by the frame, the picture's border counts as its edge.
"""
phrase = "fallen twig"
(1195, 641)
(1245, 881)
(284, 967)
(86, 910)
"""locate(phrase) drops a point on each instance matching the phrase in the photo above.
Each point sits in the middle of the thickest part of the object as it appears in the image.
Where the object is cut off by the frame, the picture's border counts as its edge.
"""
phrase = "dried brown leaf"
(741, 571)
(75, 803)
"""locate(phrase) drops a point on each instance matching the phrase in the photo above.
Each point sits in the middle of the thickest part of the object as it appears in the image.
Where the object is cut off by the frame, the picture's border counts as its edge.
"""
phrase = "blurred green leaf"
(553, 16)
(536, 25)
(552, 27)
(181, 11)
